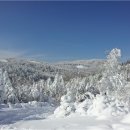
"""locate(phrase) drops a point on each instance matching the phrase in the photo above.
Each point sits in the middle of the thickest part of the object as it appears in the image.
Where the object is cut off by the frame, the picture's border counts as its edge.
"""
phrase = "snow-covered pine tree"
(112, 80)
(1, 87)
(57, 88)
(48, 83)
(42, 87)
(35, 92)
(81, 89)
(78, 87)
(47, 90)
(7, 91)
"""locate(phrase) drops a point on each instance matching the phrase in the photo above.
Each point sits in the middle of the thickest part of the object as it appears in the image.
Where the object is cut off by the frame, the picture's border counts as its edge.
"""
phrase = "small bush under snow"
(66, 106)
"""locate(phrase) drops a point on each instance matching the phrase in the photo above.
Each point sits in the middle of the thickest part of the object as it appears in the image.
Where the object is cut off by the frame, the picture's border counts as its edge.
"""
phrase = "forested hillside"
(26, 80)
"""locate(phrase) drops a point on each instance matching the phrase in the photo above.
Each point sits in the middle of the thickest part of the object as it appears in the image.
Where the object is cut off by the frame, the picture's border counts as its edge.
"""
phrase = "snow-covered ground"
(40, 117)
(33, 111)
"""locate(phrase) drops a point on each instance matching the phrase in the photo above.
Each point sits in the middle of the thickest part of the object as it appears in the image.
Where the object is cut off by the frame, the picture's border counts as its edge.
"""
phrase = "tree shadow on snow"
(11, 116)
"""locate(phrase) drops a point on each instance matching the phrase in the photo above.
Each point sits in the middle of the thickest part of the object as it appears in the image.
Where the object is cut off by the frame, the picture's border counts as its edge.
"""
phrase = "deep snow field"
(39, 116)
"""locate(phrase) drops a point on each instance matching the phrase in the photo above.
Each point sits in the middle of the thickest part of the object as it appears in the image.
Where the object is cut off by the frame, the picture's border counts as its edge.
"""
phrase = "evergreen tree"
(112, 80)
(7, 91)
(57, 88)
(1, 87)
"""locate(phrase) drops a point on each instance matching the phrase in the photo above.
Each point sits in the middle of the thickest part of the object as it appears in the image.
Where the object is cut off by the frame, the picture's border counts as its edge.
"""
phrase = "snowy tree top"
(114, 54)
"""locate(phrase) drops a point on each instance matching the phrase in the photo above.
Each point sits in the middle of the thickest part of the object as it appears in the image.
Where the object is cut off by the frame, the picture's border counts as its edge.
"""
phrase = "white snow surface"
(3, 60)
(39, 116)
(80, 66)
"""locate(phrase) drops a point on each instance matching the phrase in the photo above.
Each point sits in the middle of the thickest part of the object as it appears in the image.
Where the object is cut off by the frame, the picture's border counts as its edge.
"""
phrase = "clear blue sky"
(54, 31)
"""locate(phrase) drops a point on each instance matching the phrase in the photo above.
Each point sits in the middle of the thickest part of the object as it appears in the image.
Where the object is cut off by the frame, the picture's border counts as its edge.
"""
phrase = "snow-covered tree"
(48, 83)
(7, 92)
(24, 93)
(82, 107)
(98, 106)
(66, 105)
(107, 106)
(57, 88)
(1, 86)
(81, 89)
(38, 90)
(35, 92)
(78, 87)
(112, 79)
